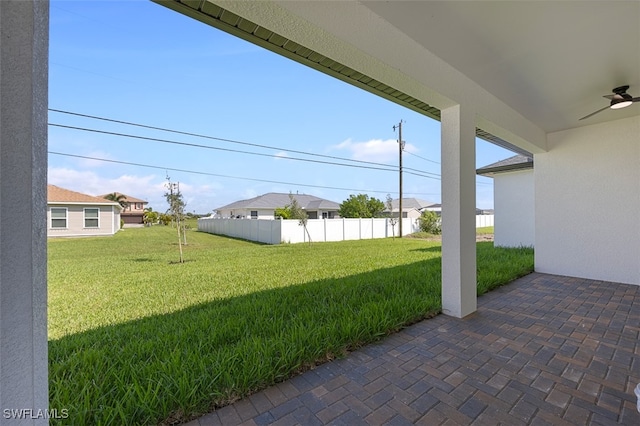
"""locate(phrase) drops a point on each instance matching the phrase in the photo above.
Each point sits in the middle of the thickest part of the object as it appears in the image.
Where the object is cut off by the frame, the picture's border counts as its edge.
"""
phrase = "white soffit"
(552, 61)
(526, 67)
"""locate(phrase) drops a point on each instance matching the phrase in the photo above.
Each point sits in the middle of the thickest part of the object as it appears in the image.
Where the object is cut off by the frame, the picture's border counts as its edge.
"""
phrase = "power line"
(385, 167)
(194, 145)
(425, 159)
(163, 129)
(149, 166)
(421, 172)
(216, 148)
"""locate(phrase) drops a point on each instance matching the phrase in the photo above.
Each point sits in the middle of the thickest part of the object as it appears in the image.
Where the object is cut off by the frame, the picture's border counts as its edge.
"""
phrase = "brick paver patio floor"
(543, 350)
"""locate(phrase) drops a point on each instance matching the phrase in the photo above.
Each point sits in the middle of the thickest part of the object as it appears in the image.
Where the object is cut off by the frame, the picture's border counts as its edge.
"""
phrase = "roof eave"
(491, 171)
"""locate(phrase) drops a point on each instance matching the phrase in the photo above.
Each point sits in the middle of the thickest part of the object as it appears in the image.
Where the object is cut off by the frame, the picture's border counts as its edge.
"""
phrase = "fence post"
(325, 230)
(344, 236)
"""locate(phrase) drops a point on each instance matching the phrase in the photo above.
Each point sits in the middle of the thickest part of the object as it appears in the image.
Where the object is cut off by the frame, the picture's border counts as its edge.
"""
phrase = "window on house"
(138, 206)
(91, 217)
(254, 214)
(58, 217)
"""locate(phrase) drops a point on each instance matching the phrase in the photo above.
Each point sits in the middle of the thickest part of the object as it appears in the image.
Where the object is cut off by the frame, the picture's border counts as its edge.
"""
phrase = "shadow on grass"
(170, 368)
(258, 243)
(174, 366)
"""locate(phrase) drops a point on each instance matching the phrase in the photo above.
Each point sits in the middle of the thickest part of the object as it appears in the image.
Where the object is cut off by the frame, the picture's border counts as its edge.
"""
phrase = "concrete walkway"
(544, 350)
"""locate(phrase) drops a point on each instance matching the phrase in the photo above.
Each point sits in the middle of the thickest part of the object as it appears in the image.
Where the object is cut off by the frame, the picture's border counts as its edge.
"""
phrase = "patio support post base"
(24, 43)
(459, 292)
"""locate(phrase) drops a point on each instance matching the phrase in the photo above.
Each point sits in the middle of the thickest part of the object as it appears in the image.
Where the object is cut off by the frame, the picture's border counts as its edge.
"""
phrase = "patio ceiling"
(528, 67)
(549, 61)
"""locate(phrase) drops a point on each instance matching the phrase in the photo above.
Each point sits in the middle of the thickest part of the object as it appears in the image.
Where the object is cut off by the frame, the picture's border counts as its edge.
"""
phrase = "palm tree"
(118, 198)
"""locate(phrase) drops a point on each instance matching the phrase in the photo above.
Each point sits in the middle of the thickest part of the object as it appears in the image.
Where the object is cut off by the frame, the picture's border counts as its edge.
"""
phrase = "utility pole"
(400, 148)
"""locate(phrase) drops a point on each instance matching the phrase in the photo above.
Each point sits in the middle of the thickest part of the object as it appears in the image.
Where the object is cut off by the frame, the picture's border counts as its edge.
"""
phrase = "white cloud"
(151, 188)
(281, 154)
(376, 150)
(89, 182)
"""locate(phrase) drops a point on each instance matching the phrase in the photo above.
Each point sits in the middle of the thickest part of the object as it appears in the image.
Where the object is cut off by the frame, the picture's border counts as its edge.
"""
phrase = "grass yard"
(484, 230)
(135, 338)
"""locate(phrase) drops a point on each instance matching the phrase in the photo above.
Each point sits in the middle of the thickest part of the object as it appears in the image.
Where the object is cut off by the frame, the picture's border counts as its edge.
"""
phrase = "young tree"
(392, 219)
(283, 212)
(430, 222)
(298, 213)
(176, 211)
(361, 206)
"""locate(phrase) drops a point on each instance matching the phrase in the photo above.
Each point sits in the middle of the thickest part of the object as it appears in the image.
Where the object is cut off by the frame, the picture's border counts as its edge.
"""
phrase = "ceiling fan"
(619, 99)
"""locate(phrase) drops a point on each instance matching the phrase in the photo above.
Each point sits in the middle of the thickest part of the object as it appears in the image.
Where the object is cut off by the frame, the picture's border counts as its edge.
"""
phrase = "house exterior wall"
(75, 221)
(270, 213)
(513, 199)
(134, 207)
(587, 189)
(116, 219)
(246, 213)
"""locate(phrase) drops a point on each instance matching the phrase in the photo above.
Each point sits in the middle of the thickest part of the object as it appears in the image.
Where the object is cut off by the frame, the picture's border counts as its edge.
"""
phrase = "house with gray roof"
(264, 206)
(412, 207)
(513, 200)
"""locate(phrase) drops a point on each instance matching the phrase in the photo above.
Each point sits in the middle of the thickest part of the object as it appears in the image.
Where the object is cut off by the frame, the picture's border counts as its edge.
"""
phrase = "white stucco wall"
(513, 202)
(23, 201)
(587, 189)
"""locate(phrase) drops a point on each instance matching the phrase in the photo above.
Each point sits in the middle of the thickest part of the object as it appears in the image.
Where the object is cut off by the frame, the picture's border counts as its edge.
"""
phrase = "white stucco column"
(24, 44)
(459, 292)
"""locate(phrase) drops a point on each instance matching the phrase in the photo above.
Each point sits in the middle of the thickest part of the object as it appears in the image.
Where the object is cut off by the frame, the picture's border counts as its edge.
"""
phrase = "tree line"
(362, 206)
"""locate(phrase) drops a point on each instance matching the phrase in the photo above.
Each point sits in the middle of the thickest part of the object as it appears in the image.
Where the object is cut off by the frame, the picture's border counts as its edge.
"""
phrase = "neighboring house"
(411, 207)
(264, 206)
(133, 211)
(527, 91)
(513, 199)
(73, 214)
(435, 208)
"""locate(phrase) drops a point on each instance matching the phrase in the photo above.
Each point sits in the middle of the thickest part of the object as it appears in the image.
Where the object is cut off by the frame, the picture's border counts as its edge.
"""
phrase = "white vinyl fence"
(290, 231)
(483, 220)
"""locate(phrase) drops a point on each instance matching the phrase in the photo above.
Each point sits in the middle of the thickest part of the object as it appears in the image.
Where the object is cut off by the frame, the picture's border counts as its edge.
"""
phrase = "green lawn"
(484, 230)
(136, 338)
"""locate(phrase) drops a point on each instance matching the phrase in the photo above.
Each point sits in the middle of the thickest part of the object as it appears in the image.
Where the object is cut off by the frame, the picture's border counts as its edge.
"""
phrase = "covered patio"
(521, 74)
(543, 350)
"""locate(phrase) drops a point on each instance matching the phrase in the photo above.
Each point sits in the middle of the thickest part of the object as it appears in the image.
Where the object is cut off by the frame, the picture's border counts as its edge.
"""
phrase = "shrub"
(430, 222)
(164, 219)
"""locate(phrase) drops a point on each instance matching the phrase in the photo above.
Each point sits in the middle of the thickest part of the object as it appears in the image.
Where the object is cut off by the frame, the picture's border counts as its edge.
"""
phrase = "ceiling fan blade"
(612, 97)
(636, 99)
(594, 113)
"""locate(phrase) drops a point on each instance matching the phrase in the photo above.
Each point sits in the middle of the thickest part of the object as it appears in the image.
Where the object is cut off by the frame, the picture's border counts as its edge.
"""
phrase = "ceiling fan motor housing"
(621, 100)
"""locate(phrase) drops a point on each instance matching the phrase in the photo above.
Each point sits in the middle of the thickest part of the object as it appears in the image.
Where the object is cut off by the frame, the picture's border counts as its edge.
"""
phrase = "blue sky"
(139, 62)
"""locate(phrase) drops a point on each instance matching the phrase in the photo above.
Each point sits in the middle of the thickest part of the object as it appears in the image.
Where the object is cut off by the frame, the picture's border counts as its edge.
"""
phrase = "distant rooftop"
(127, 198)
(517, 162)
(411, 203)
(55, 194)
(273, 200)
